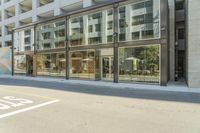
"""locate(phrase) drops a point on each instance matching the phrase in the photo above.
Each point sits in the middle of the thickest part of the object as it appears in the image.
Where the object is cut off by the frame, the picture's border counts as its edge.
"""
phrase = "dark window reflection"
(140, 64)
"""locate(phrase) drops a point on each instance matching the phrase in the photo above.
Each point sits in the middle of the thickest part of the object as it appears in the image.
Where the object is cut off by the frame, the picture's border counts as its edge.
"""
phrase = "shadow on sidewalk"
(108, 91)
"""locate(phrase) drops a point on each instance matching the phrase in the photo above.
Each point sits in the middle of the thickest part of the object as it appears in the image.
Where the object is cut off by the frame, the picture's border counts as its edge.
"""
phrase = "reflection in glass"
(76, 31)
(51, 64)
(51, 35)
(122, 24)
(139, 21)
(107, 68)
(24, 40)
(106, 63)
(140, 64)
(95, 21)
(82, 64)
(95, 28)
(20, 64)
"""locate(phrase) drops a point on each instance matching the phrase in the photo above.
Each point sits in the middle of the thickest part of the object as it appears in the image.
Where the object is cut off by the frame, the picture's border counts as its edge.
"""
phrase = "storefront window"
(139, 21)
(24, 40)
(51, 35)
(76, 31)
(82, 64)
(51, 64)
(20, 64)
(139, 64)
(92, 29)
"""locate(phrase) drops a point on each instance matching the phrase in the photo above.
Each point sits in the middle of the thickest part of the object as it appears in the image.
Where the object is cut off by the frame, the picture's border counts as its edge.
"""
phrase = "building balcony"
(46, 11)
(26, 15)
(141, 11)
(9, 4)
(76, 36)
(71, 5)
(142, 27)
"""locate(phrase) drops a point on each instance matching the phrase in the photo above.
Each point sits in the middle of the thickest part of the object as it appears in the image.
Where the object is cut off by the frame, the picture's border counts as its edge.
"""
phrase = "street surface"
(44, 107)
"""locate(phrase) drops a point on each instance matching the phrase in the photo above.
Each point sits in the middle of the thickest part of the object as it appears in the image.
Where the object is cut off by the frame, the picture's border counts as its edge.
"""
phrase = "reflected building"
(84, 44)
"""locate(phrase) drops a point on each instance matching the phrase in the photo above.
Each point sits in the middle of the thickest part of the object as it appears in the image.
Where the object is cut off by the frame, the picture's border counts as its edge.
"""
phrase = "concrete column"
(57, 10)
(35, 4)
(3, 30)
(17, 13)
(193, 46)
(171, 39)
(164, 42)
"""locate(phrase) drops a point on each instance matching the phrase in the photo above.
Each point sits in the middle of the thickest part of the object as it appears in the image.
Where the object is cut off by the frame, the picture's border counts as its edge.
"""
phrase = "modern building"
(136, 41)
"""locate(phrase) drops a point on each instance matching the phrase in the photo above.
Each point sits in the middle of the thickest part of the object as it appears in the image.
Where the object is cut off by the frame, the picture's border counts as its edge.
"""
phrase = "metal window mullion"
(67, 44)
(115, 44)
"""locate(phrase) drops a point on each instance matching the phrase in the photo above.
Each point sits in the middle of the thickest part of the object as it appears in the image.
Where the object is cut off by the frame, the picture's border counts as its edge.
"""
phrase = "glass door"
(107, 68)
(29, 64)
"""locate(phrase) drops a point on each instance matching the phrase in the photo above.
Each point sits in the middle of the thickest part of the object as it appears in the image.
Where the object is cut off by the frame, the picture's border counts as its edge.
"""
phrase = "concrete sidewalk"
(172, 86)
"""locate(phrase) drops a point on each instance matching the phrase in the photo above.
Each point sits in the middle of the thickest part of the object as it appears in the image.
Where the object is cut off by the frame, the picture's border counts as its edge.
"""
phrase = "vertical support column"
(172, 40)
(57, 10)
(35, 52)
(12, 53)
(35, 5)
(3, 26)
(67, 44)
(17, 13)
(97, 65)
(164, 42)
(115, 44)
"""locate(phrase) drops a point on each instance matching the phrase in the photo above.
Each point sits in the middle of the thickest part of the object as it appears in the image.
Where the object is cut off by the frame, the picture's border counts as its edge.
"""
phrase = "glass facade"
(139, 21)
(82, 64)
(51, 35)
(106, 63)
(51, 64)
(24, 40)
(140, 64)
(20, 64)
(92, 29)
(88, 56)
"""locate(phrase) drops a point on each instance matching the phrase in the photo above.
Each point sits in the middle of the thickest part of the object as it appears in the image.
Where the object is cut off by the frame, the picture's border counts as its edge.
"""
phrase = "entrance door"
(107, 68)
(181, 65)
(29, 64)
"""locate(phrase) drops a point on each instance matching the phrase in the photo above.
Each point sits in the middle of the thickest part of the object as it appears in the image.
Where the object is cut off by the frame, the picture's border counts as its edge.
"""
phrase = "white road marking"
(27, 109)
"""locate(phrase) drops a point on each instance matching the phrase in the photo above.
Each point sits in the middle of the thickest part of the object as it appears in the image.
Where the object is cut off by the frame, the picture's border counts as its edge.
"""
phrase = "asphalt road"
(43, 107)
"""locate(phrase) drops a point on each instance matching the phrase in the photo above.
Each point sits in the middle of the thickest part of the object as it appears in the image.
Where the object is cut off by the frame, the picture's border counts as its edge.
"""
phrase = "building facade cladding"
(122, 41)
(193, 46)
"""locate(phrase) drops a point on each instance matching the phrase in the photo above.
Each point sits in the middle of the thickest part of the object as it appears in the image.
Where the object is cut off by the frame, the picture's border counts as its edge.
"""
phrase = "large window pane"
(82, 64)
(52, 64)
(139, 64)
(24, 40)
(92, 29)
(139, 21)
(76, 31)
(20, 64)
(51, 35)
